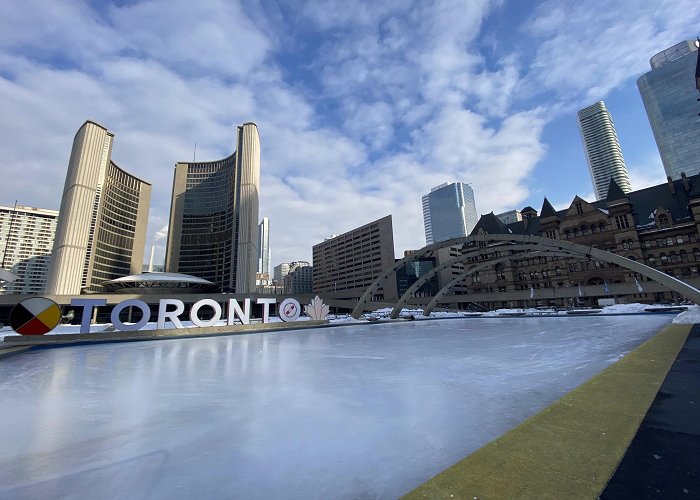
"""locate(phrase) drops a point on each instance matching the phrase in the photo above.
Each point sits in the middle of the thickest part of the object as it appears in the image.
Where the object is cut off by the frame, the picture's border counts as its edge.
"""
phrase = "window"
(696, 254)
(593, 228)
(579, 208)
(567, 234)
(664, 258)
(669, 241)
(625, 245)
(652, 260)
(679, 239)
(551, 234)
(647, 244)
(684, 256)
(621, 221)
(584, 229)
(660, 242)
(663, 221)
(674, 257)
(601, 226)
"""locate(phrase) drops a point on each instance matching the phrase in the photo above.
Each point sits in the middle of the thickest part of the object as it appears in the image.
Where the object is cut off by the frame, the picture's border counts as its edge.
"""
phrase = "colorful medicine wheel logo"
(35, 316)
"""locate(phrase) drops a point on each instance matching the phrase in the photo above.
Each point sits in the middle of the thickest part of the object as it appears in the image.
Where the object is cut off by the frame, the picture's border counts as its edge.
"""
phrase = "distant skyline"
(360, 106)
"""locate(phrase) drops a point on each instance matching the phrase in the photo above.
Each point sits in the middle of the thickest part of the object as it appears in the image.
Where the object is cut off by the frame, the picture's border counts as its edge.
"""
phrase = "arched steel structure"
(529, 251)
(545, 246)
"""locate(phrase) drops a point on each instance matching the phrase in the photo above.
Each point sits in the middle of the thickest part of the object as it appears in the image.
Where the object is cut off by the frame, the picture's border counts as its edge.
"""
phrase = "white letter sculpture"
(317, 310)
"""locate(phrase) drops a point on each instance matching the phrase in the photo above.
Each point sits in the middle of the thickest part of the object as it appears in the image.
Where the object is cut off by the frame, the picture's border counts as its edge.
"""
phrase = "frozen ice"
(357, 411)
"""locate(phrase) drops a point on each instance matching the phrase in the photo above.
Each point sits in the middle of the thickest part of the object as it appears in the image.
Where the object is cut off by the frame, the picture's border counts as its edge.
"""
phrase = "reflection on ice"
(357, 411)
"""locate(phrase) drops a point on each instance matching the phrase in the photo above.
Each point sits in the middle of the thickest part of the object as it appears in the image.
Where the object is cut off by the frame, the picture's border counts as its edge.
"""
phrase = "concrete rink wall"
(348, 412)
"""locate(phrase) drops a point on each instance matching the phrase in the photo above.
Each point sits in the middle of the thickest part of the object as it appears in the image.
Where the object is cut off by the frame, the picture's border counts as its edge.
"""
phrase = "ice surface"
(358, 411)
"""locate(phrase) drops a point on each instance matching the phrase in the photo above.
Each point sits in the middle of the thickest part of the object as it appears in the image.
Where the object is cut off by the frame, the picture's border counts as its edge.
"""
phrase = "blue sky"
(362, 107)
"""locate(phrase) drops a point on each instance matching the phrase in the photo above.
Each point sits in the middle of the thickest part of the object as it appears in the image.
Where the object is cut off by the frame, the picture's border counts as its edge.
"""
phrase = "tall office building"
(449, 211)
(669, 95)
(26, 240)
(214, 217)
(101, 230)
(602, 148)
(264, 246)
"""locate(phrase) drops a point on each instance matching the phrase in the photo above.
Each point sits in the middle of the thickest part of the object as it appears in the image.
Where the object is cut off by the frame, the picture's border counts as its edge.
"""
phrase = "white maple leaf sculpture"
(317, 310)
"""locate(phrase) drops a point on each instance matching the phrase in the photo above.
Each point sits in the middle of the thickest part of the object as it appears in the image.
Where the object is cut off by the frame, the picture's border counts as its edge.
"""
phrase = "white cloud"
(649, 172)
(588, 48)
(387, 99)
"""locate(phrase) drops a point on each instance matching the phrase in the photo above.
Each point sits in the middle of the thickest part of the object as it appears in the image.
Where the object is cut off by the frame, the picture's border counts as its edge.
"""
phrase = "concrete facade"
(213, 231)
(355, 259)
(102, 222)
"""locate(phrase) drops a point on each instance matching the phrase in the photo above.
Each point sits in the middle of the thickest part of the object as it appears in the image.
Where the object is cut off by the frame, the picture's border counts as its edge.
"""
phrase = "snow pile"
(690, 317)
(625, 308)
(64, 329)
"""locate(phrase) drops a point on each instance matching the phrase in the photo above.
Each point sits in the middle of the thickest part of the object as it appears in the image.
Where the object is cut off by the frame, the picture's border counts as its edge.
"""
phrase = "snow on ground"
(691, 316)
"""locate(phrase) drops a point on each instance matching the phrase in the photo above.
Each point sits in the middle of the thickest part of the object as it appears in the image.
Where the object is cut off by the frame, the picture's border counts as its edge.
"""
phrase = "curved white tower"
(602, 148)
(101, 229)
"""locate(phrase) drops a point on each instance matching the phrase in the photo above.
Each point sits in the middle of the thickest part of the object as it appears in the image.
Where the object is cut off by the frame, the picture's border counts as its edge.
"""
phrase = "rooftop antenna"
(194, 155)
(9, 233)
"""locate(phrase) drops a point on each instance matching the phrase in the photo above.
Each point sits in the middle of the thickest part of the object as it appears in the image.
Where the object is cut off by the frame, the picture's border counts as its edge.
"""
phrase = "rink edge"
(572, 448)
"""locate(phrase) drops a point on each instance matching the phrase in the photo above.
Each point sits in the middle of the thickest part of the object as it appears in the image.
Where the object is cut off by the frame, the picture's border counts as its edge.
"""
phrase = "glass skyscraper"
(449, 211)
(669, 95)
(603, 152)
(264, 247)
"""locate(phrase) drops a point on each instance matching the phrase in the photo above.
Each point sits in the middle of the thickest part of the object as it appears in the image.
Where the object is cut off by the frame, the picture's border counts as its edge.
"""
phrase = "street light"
(697, 66)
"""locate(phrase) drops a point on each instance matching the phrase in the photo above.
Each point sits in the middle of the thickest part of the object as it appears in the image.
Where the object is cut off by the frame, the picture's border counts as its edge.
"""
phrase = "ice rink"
(364, 411)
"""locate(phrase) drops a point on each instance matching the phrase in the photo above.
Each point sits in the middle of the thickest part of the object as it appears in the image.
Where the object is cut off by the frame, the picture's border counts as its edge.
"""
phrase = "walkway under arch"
(544, 246)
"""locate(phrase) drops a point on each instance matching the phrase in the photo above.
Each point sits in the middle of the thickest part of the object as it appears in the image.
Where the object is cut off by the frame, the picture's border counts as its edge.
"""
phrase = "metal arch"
(456, 260)
(555, 245)
(431, 305)
(357, 311)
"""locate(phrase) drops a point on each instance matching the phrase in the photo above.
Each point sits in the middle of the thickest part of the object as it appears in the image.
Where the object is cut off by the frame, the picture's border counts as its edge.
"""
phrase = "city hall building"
(213, 230)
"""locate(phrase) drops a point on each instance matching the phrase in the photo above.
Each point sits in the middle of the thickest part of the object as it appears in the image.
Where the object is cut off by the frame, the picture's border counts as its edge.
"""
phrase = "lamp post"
(697, 68)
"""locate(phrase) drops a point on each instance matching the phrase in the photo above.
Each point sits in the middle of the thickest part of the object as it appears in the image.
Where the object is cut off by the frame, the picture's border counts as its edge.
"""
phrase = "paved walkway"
(663, 460)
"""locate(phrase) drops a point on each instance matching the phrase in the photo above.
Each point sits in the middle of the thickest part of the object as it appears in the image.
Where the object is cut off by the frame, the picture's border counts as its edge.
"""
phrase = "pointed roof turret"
(614, 192)
(490, 224)
(547, 209)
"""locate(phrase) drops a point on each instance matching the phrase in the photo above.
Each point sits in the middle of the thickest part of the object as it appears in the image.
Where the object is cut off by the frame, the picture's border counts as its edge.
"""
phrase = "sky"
(362, 107)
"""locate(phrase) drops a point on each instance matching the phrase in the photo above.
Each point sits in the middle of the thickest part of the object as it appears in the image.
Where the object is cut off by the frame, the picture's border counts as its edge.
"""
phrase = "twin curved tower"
(213, 230)
(101, 229)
